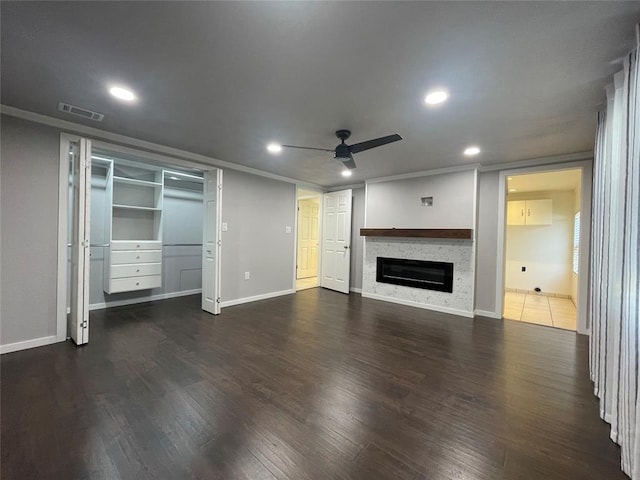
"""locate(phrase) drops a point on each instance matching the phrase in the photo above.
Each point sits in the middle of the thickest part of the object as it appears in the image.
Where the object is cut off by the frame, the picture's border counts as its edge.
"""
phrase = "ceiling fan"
(344, 152)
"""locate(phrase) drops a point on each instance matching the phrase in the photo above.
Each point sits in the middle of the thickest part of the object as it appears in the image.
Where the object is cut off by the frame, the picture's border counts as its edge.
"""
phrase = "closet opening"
(139, 228)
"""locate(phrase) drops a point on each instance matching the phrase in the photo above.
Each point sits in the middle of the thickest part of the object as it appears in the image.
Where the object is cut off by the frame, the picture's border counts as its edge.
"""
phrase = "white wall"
(29, 175)
(397, 203)
(257, 211)
(545, 250)
(487, 241)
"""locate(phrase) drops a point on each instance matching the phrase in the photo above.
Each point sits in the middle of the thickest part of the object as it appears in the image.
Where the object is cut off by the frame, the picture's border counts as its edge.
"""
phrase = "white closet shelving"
(135, 196)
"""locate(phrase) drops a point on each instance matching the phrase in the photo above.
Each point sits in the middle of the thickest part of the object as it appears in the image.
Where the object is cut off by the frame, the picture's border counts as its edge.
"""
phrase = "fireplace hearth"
(415, 273)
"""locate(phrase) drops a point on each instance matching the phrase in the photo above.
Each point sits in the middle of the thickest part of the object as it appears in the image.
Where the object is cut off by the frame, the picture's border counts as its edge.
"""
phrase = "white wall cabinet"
(135, 196)
(530, 212)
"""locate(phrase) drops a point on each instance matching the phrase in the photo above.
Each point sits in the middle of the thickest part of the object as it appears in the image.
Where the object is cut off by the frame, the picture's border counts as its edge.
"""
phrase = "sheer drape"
(614, 307)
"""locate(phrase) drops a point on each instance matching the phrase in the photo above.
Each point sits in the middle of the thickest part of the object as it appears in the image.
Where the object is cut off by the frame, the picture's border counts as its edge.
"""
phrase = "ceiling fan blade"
(307, 148)
(349, 163)
(377, 142)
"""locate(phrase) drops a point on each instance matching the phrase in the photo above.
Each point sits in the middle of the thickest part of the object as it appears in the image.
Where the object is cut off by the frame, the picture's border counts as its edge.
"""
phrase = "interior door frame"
(297, 233)
(586, 166)
(63, 214)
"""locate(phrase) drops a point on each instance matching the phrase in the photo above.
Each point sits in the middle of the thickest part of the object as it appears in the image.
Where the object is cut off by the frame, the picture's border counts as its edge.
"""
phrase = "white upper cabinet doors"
(530, 212)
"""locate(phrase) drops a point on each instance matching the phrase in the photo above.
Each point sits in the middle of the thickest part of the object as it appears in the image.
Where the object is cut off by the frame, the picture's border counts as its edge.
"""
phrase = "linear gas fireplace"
(416, 273)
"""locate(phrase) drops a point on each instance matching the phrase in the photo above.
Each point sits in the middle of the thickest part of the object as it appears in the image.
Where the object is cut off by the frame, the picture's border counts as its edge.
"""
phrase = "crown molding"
(425, 173)
(534, 162)
(98, 134)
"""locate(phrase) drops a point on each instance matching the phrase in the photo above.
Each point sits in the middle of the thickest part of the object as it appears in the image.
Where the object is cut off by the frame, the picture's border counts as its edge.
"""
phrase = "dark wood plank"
(308, 386)
(455, 233)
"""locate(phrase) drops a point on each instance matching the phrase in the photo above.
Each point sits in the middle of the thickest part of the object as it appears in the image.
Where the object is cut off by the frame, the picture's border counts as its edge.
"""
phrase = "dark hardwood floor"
(315, 385)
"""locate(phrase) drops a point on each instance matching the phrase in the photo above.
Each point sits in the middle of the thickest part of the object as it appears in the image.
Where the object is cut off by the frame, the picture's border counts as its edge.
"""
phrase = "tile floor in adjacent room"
(304, 283)
(550, 311)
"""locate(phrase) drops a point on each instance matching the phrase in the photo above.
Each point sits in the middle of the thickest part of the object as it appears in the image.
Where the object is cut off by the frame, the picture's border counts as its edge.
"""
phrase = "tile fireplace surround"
(458, 252)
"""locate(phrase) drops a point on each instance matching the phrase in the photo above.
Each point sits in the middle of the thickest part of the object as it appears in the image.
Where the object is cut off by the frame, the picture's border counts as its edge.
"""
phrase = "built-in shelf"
(456, 233)
(133, 207)
(133, 181)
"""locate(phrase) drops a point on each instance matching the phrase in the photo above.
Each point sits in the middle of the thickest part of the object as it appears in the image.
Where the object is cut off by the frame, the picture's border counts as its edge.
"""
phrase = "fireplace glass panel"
(415, 273)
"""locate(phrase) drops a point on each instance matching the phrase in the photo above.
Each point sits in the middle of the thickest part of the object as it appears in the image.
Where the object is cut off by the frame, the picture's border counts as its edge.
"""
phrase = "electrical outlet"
(247, 275)
(523, 269)
(224, 226)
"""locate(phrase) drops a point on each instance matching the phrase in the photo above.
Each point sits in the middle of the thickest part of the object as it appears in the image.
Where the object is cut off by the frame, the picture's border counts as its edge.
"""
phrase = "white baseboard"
(151, 298)
(425, 306)
(487, 313)
(264, 296)
(355, 290)
(35, 342)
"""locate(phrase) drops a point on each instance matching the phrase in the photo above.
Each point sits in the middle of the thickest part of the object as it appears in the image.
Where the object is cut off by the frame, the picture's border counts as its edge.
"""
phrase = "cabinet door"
(539, 212)
(515, 212)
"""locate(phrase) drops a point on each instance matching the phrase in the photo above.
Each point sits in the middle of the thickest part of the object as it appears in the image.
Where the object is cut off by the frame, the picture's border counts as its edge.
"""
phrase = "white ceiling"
(544, 182)
(224, 78)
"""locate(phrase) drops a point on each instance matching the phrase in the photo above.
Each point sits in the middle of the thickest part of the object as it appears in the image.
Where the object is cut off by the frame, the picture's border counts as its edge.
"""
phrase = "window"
(576, 242)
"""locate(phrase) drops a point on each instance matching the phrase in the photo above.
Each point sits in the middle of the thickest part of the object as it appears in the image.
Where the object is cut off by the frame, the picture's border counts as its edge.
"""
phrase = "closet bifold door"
(80, 163)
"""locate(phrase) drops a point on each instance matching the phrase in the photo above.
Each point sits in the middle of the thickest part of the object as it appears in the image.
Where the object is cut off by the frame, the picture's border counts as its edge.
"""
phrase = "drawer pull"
(138, 270)
(137, 283)
(138, 246)
(138, 257)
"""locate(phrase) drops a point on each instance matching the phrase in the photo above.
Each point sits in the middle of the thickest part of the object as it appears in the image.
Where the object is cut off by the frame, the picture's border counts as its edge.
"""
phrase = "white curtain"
(614, 308)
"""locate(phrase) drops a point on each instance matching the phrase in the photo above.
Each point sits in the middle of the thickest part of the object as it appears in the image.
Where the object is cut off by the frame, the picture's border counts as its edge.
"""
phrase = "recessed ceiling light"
(509, 178)
(122, 93)
(346, 173)
(274, 148)
(435, 97)
(512, 190)
(471, 151)
(173, 178)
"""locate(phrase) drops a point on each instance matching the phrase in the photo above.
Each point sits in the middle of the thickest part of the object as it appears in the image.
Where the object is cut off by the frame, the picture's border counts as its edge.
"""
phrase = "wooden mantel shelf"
(457, 233)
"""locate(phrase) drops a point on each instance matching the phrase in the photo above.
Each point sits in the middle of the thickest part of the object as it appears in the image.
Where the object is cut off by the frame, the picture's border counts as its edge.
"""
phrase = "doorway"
(308, 241)
(135, 227)
(542, 248)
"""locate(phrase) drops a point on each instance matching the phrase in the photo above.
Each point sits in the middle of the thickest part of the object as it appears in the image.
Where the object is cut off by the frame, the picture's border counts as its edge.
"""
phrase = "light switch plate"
(224, 226)
(287, 229)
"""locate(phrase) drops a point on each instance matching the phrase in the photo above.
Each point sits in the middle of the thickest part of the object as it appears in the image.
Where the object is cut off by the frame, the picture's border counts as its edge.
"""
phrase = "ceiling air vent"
(80, 112)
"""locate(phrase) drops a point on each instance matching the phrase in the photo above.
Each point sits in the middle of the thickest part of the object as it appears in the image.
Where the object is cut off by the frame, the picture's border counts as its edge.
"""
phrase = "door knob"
(346, 246)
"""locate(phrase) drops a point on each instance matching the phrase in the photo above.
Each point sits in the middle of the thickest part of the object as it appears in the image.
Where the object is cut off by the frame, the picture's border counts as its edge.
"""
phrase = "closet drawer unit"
(137, 270)
(141, 256)
(115, 245)
(135, 283)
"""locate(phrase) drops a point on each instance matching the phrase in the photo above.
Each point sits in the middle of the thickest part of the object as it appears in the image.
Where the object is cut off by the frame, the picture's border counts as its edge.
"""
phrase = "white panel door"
(308, 238)
(80, 153)
(336, 241)
(211, 242)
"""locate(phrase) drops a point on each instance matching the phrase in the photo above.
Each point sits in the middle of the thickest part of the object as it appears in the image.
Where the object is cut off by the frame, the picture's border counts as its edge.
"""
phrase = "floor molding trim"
(151, 298)
(424, 306)
(33, 343)
(487, 313)
(255, 298)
